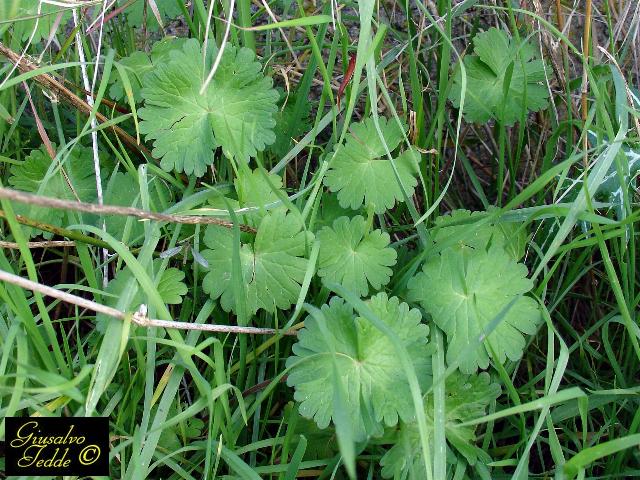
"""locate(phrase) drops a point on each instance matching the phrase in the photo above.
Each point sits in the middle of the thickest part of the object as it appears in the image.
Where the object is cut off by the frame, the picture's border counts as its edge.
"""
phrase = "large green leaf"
(273, 264)
(376, 387)
(235, 112)
(465, 291)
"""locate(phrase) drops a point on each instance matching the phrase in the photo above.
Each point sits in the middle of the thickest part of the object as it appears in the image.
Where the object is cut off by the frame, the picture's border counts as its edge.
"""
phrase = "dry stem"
(139, 318)
(50, 202)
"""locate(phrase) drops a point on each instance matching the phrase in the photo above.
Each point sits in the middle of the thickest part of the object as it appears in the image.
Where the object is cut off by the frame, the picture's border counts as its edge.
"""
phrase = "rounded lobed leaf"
(465, 292)
(467, 398)
(353, 257)
(486, 75)
(272, 265)
(235, 112)
(361, 173)
(71, 178)
(170, 285)
(258, 192)
(377, 390)
(138, 64)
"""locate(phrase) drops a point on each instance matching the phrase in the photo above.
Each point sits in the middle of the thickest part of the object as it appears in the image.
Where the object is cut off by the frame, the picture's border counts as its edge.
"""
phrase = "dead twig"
(262, 385)
(63, 232)
(50, 202)
(105, 101)
(139, 317)
(49, 244)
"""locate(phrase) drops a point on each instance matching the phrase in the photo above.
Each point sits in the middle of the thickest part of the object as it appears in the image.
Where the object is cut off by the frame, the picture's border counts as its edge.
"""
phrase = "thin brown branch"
(105, 101)
(139, 318)
(49, 244)
(50, 202)
(262, 385)
(63, 232)
(50, 83)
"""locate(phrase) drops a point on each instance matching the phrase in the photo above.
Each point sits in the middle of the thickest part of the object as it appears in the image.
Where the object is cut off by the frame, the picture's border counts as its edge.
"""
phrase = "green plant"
(135, 12)
(467, 399)
(341, 354)
(235, 112)
(465, 291)
(274, 283)
(70, 178)
(353, 257)
(272, 264)
(504, 79)
(362, 174)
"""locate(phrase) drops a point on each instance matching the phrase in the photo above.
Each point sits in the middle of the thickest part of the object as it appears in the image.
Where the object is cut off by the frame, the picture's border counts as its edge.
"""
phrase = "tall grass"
(195, 405)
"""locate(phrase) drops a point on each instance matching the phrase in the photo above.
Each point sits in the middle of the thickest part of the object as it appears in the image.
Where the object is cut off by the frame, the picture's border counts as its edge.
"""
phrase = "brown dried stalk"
(62, 232)
(139, 317)
(50, 202)
(46, 244)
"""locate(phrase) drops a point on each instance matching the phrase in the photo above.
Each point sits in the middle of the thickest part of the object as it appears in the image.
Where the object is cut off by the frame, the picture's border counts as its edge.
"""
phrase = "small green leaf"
(362, 174)
(169, 284)
(377, 390)
(273, 264)
(353, 257)
(486, 74)
(259, 191)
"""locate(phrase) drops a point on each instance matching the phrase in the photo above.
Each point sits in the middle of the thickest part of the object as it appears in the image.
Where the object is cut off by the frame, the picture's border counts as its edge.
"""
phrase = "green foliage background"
(426, 211)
